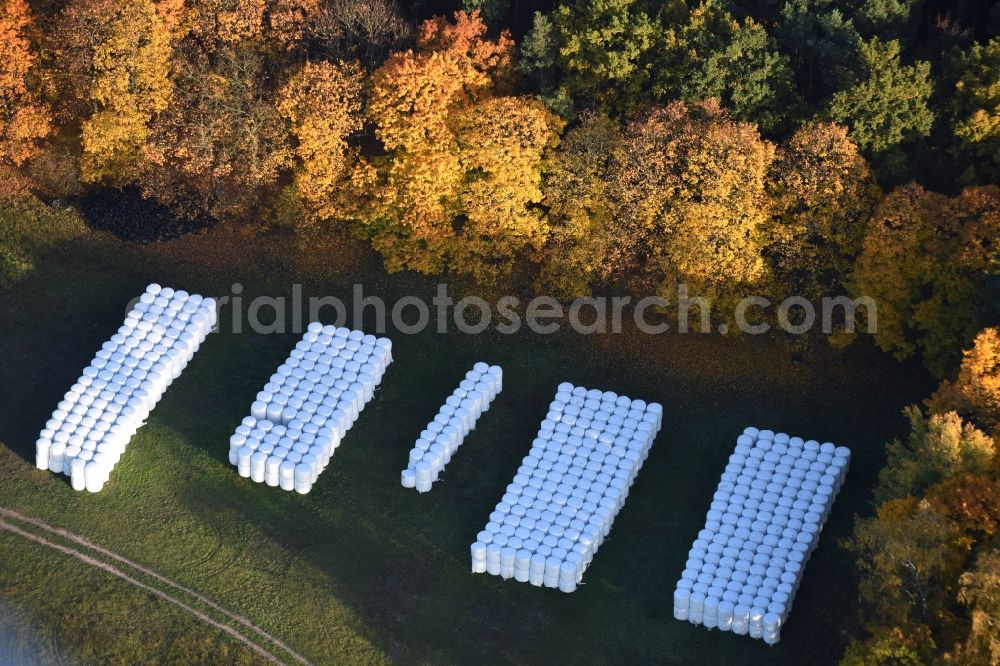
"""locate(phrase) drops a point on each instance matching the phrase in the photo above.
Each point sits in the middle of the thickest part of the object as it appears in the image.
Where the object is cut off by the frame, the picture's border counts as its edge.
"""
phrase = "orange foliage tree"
(971, 500)
(24, 120)
(690, 187)
(322, 104)
(289, 22)
(445, 164)
(217, 23)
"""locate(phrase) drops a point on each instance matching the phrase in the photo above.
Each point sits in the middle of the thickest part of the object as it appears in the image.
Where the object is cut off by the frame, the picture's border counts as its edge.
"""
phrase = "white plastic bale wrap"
(449, 427)
(92, 425)
(764, 521)
(574, 480)
(301, 415)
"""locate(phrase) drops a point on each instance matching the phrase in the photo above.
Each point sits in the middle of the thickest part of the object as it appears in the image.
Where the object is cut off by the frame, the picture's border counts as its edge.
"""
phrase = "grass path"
(92, 561)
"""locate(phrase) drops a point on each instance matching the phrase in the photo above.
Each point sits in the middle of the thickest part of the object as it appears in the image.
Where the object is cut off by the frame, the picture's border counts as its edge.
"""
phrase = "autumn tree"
(277, 27)
(412, 95)
(419, 100)
(289, 23)
(980, 592)
(578, 194)
(24, 119)
(465, 38)
(822, 193)
(117, 58)
(501, 144)
(909, 558)
(890, 645)
(364, 30)
(972, 501)
(221, 145)
(689, 184)
(924, 260)
(975, 110)
(173, 17)
(217, 23)
(937, 448)
(886, 102)
(322, 104)
(975, 393)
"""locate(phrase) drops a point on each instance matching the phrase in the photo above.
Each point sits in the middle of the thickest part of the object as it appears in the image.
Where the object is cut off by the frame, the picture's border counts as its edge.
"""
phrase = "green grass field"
(361, 570)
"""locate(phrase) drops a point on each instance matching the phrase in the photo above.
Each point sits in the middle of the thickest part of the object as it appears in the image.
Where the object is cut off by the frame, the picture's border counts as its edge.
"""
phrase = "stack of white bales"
(456, 418)
(744, 568)
(97, 417)
(311, 401)
(569, 488)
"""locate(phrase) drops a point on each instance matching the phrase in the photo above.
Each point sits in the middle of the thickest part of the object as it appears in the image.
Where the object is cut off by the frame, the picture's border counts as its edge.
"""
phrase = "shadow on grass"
(125, 214)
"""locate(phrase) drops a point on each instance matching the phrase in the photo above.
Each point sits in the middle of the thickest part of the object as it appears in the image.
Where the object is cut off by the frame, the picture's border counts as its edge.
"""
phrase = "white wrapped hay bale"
(563, 500)
(449, 427)
(127, 377)
(299, 418)
(763, 523)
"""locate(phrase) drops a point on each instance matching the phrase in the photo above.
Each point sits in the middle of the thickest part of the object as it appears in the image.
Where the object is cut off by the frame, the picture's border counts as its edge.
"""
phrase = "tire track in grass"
(152, 574)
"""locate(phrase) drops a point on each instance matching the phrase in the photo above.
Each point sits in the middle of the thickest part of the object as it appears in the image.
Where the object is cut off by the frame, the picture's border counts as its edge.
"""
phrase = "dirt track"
(92, 561)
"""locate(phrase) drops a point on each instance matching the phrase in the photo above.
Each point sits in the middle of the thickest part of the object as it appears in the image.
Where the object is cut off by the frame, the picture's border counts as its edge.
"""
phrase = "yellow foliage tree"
(690, 187)
(822, 192)
(418, 102)
(122, 53)
(322, 103)
(578, 196)
(980, 591)
(412, 94)
(924, 260)
(975, 394)
(909, 557)
(501, 145)
(938, 448)
(24, 120)
(219, 23)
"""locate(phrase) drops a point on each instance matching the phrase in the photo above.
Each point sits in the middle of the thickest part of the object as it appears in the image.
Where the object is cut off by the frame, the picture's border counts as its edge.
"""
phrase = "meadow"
(361, 570)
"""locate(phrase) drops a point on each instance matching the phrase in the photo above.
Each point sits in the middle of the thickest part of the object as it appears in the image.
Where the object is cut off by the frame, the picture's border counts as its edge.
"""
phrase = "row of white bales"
(306, 408)
(772, 501)
(552, 517)
(94, 422)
